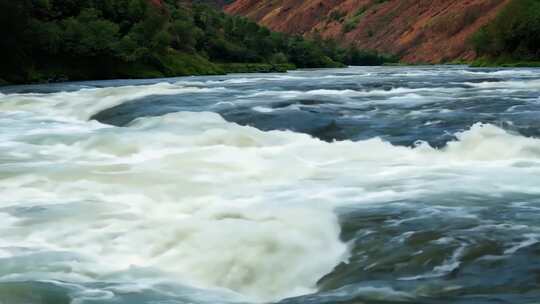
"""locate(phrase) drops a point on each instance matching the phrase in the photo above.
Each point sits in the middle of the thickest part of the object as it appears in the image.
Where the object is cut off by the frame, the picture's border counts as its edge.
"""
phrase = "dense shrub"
(513, 34)
(43, 36)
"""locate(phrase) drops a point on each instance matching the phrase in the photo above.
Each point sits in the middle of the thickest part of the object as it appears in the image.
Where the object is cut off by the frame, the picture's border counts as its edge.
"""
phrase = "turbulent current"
(359, 185)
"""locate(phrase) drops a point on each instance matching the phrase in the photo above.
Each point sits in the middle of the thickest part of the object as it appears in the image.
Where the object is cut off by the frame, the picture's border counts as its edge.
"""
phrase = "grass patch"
(504, 62)
(181, 64)
(352, 23)
(336, 16)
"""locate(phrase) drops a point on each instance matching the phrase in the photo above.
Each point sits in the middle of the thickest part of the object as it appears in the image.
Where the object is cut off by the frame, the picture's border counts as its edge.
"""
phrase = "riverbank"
(53, 43)
(172, 65)
(504, 63)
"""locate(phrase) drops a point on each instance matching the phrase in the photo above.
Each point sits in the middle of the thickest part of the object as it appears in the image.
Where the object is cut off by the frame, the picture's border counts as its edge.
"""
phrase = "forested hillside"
(418, 31)
(513, 38)
(50, 40)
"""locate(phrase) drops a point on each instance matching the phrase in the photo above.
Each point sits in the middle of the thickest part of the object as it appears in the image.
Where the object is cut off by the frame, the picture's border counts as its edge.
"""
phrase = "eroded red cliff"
(430, 31)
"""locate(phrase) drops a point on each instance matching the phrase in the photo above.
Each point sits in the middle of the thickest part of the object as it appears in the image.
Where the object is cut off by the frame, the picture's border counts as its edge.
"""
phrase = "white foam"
(530, 239)
(86, 102)
(263, 109)
(508, 84)
(510, 72)
(208, 203)
(397, 93)
(449, 265)
(240, 80)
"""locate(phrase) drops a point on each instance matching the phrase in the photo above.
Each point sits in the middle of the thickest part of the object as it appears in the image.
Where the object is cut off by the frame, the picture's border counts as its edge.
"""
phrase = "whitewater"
(365, 184)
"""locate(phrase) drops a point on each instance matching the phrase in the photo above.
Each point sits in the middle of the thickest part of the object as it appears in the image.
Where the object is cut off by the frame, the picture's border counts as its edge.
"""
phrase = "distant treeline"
(46, 40)
(513, 37)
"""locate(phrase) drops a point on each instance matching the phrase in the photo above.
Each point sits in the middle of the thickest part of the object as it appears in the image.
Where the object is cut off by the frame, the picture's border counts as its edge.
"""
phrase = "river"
(358, 185)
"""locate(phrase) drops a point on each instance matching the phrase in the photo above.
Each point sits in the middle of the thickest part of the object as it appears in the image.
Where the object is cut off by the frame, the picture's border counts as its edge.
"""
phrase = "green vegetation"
(353, 20)
(256, 67)
(512, 38)
(336, 16)
(51, 40)
(352, 23)
(504, 62)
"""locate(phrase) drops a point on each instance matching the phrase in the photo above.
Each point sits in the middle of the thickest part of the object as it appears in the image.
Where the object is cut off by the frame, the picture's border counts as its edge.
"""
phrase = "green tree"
(105, 38)
(88, 35)
(185, 35)
(15, 52)
(45, 36)
(514, 33)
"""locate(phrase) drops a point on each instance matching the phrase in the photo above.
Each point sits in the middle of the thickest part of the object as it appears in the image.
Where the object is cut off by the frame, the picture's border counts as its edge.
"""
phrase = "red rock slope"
(430, 31)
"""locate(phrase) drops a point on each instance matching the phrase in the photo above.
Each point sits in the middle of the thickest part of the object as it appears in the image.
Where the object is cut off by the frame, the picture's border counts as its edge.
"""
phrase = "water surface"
(358, 185)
